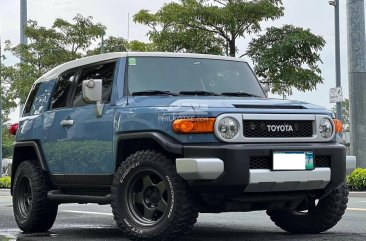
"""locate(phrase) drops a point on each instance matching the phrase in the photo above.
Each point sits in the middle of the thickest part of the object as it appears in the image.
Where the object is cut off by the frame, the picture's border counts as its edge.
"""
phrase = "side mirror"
(92, 93)
(92, 90)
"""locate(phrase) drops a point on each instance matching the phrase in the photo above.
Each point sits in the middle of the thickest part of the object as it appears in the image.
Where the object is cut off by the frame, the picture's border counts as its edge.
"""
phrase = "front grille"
(277, 128)
(265, 162)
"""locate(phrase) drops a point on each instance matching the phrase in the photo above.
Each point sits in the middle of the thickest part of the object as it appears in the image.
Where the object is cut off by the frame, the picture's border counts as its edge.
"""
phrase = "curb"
(5, 191)
(357, 194)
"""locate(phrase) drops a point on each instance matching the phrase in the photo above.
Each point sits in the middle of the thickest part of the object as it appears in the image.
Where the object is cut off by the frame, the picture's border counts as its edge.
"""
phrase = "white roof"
(55, 72)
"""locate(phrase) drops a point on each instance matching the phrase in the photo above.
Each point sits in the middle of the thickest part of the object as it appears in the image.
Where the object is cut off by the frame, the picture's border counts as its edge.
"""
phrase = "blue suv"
(163, 136)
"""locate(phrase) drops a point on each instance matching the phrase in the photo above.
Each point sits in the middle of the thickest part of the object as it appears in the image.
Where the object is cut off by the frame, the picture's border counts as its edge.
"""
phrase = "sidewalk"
(4, 192)
(357, 194)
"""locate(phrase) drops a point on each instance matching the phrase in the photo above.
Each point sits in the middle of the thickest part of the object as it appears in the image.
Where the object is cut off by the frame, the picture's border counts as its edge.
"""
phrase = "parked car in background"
(6, 167)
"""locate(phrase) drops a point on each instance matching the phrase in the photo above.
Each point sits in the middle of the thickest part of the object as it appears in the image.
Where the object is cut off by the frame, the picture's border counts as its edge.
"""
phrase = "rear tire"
(150, 201)
(322, 217)
(32, 210)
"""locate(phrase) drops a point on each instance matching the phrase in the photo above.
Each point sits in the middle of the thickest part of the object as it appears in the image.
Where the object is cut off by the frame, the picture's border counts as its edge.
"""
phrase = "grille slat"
(265, 162)
(288, 128)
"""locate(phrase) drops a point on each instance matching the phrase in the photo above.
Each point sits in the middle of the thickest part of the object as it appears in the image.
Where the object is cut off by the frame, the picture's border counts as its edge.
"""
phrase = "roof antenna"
(128, 46)
(128, 32)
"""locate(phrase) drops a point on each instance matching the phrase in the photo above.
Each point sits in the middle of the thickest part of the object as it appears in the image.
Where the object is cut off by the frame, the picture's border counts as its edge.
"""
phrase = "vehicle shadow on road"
(198, 234)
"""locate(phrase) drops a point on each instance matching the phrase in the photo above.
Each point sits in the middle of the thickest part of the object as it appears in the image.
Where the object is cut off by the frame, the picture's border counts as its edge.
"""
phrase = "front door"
(83, 140)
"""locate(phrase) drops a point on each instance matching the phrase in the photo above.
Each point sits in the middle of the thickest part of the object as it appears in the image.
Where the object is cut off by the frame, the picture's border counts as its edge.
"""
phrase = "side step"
(57, 196)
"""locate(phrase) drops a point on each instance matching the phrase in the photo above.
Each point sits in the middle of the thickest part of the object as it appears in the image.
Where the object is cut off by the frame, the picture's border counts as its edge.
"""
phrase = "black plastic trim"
(59, 197)
(82, 180)
(39, 152)
(167, 143)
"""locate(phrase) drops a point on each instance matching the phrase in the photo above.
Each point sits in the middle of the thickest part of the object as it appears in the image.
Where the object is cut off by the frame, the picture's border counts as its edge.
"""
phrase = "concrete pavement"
(94, 222)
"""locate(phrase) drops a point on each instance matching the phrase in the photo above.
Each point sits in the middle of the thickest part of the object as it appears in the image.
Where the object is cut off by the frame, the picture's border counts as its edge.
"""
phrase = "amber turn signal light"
(194, 125)
(338, 125)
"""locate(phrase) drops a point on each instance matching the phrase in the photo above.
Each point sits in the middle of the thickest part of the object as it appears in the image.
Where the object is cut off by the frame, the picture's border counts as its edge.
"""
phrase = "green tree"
(7, 143)
(119, 44)
(345, 115)
(287, 57)
(139, 46)
(207, 26)
(111, 44)
(49, 47)
(8, 103)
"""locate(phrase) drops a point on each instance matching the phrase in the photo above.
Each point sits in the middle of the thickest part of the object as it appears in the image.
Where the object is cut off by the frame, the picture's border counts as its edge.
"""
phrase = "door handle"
(67, 123)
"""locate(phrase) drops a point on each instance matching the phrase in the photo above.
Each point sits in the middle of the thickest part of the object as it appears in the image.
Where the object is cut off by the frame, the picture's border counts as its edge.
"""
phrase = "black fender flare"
(169, 144)
(166, 142)
(21, 153)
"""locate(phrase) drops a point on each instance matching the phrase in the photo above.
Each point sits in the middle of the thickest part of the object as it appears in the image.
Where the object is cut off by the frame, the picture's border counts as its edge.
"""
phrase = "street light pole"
(1, 113)
(335, 4)
(357, 77)
(23, 38)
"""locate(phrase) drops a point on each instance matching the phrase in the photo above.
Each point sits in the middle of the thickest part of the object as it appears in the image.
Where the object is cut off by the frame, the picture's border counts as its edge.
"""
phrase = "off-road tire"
(320, 219)
(181, 214)
(41, 213)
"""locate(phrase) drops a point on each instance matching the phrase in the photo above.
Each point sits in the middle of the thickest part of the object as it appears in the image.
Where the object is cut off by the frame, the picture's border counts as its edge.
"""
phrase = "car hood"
(219, 102)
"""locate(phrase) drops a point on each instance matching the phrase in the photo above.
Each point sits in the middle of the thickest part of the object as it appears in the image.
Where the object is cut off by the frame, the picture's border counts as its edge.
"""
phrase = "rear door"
(53, 133)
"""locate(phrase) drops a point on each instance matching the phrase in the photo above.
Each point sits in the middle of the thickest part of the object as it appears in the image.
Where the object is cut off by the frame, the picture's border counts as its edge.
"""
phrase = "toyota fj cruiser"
(162, 137)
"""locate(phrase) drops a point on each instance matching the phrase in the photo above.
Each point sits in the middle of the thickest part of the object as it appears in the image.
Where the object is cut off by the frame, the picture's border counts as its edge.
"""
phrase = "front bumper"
(227, 168)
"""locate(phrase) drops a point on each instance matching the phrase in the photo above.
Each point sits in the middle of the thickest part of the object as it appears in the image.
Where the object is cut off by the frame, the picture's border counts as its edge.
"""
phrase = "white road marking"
(362, 201)
(84, 212)
(357, 209)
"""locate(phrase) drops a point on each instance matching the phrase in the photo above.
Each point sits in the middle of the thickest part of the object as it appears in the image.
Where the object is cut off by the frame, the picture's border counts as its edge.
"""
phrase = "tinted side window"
(30, 100)
(101, 71)
(42, 98)
(59, 97)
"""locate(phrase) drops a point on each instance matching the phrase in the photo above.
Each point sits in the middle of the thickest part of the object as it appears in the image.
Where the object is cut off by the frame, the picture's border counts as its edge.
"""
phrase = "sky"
(316, 15)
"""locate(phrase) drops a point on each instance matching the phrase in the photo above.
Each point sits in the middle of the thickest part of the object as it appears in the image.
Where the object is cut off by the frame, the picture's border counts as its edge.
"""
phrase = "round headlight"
(326, 128)
(228, 127)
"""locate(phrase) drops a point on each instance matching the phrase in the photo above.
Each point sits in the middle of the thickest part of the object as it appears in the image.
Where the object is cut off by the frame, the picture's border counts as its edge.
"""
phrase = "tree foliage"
(207, 26)
(287, 57)
(49, 47)
(7, 143)
(119, 44)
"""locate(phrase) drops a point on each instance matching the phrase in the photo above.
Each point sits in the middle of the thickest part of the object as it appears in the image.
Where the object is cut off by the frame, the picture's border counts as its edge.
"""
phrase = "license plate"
(291, 160)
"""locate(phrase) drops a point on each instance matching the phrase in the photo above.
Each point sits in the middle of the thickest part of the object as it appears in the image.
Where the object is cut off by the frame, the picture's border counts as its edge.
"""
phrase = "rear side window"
(100, 71)
(30, 100)
(59, 97)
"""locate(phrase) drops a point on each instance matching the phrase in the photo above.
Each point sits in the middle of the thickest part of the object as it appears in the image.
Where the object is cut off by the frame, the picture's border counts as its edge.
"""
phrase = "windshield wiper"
(154, 92)
(199, 92)
(241, 94)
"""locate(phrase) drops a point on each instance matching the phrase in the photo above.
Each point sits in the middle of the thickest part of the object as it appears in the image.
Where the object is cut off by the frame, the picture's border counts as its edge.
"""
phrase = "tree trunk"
(232, 47)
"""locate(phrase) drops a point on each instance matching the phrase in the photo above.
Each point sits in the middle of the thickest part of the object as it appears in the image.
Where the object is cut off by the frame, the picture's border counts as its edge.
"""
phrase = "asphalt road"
(94, 222)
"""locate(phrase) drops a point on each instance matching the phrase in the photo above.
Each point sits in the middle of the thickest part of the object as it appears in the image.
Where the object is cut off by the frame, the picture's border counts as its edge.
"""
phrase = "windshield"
(190, 76)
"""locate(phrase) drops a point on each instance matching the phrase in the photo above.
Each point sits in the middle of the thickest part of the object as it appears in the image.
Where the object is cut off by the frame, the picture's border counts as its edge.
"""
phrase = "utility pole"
(357, 78)
(23, 38)
(335, 4)
(1, 112)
